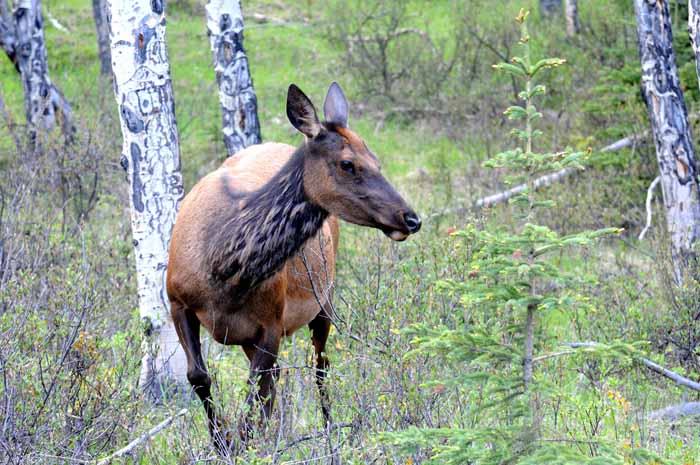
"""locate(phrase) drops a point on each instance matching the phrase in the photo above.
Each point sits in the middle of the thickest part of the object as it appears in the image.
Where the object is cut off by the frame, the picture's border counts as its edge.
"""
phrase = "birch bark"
(239, 105)
(694, 32)
(151, 158)
(99, 12)
(669, 123)
(573, 26)
(550, 7)
(22, 38)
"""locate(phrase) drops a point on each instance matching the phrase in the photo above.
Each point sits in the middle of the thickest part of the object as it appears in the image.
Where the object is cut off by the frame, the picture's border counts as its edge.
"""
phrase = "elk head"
(341, 174)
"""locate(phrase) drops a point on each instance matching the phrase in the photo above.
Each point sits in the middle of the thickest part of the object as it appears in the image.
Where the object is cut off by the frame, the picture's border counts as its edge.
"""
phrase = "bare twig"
(143, 438)
(656, 368)
(650, 196)
(309, 437)
(262, 19)
(54, 22)
(544, 357)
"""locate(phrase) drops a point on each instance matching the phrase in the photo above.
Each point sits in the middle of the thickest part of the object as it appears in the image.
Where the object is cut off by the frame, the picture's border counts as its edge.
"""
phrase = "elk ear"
(335, 107)
(301, 112)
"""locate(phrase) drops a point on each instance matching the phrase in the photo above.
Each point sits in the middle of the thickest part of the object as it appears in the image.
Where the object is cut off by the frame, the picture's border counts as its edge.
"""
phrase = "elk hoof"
(223, 439)
(245, 431)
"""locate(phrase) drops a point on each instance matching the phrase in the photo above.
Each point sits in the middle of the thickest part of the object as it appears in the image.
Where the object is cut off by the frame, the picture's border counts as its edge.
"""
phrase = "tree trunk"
(694, 32)
(22, 39)
(550, 8)
(573, 26)
(151, 158)
(669, 124)
(239, 105)
(99, 11)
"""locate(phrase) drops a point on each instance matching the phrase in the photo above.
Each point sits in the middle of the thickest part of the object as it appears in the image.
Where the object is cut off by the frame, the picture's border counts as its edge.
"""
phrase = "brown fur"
(282, 304)
(252, 254)
(186, 280)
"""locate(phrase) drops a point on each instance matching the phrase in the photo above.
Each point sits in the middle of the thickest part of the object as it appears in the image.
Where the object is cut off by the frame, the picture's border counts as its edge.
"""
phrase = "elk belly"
(298, 313)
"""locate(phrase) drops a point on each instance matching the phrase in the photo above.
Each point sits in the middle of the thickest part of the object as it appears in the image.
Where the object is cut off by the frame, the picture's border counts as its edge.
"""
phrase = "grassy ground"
(76, 305)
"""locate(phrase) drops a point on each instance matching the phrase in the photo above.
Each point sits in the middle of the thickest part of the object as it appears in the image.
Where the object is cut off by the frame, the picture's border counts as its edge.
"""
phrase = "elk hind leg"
(263, 374)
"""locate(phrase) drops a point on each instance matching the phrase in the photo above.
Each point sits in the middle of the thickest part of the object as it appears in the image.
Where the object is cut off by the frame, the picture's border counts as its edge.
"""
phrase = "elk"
(253, 250)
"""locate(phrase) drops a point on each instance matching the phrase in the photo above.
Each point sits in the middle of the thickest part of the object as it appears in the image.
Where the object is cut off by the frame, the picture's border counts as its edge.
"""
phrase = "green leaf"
(546, 63)
(515, 112)
(512, 69)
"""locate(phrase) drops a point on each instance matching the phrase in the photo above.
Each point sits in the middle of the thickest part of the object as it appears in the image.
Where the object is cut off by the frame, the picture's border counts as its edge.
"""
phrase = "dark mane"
(248, 245)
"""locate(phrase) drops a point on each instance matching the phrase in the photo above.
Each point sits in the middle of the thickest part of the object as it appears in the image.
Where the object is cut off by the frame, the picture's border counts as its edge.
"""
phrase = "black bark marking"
(157, 6)
(133, 122)
(225, 22)
(137, 187)
(143, 38)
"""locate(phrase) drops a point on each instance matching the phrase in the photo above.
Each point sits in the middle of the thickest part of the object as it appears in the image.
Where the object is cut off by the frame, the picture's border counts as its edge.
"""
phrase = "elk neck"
(263, 229)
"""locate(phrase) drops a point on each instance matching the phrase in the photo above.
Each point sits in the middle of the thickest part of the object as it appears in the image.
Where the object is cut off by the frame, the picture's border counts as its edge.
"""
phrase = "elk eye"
(346, 165)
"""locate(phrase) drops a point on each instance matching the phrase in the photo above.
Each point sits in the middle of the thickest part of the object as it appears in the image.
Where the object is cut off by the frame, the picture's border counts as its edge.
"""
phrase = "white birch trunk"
(573, 26)
(694, 31)
(670, 129)
(24, 43)
(151, 157)
(239, 105)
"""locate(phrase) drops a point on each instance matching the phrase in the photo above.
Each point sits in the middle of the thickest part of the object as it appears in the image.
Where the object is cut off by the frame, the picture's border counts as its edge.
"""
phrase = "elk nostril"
(412, 222)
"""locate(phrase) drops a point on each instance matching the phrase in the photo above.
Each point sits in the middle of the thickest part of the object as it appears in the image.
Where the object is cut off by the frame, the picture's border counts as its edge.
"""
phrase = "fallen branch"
(650, 195)
(675, 412)
(263, 19)
(54, 22)
(548, 179)
(143, 438)
(656, 368)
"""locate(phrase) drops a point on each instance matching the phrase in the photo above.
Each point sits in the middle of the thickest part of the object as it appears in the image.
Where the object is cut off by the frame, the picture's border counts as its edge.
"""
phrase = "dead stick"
(650, 196)
(143, 438)
(656, 368)
(549, 178)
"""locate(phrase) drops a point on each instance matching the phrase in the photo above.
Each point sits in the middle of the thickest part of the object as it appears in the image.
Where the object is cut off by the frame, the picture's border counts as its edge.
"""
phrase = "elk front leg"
(263, 374)
(187, 327)
(320, 327)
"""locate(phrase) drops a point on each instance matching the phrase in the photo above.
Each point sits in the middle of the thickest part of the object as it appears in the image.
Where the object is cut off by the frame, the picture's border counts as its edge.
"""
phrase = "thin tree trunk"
(550, 8)
(573, 27)
(22, 39)
(151, 157)
(694, 32)
(99, 12)
(669, 123)
(239, 105)
(8, 41)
